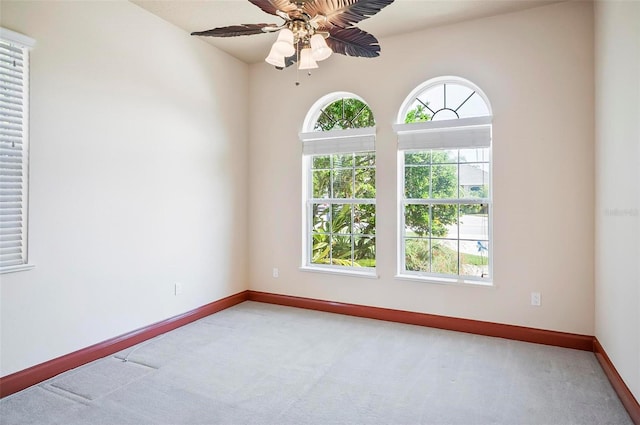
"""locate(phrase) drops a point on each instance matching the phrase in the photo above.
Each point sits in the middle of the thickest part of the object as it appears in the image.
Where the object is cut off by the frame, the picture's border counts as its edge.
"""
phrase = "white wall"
(617, 35)
(138, 177)
(536, 67)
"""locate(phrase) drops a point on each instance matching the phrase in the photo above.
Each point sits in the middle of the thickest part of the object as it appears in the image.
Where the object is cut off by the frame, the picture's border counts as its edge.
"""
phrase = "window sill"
(445, 281)
(368, 274)
(20, 268)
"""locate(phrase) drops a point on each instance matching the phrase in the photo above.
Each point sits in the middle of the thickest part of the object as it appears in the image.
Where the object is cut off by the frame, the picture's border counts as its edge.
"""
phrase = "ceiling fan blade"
(353, 42)
(236, 30)
(344, 13)
(271, 6)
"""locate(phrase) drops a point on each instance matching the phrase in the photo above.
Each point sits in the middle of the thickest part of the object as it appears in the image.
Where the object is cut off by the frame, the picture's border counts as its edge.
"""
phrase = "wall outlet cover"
(535, 299)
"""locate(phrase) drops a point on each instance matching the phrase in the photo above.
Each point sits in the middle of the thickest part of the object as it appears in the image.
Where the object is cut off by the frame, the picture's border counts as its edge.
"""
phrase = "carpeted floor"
(264, 364)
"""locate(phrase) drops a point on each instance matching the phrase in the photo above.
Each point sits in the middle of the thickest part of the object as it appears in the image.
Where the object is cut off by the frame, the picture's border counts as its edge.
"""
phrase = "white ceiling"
(402, 16)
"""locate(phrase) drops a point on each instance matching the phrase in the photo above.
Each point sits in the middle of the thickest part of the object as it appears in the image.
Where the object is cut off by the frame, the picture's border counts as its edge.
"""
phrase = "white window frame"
(460, 133)
(14, 129)
(357, 140)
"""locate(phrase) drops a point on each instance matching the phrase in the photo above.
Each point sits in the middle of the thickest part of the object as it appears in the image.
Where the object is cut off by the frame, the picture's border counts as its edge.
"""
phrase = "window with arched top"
(339, 186)
(444, 158)
(444, 99)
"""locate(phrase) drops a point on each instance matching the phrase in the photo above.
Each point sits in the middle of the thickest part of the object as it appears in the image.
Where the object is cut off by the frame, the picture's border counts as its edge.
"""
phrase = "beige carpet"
(264, 364)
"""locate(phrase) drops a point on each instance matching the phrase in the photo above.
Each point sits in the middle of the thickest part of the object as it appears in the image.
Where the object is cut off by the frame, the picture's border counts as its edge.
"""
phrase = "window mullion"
(430, 238)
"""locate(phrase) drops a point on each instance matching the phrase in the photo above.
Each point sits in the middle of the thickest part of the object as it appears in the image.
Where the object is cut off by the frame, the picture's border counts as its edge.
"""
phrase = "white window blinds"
(339, 141)
(458, 133)
(14, 94)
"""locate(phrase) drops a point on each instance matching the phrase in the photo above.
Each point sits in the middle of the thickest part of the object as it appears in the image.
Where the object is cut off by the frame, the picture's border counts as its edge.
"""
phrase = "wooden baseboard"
(624, 393)
(519, 333)
(25, 378)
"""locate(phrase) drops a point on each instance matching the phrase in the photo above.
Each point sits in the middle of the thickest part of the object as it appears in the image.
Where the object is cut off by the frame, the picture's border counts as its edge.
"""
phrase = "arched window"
(444, 144)
(339, 186)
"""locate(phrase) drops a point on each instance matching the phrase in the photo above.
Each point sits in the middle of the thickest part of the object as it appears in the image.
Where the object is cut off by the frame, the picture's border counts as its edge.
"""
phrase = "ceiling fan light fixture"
(275, 58)
(312, 30)
(319, 48)
(284, 43)
(306, 59)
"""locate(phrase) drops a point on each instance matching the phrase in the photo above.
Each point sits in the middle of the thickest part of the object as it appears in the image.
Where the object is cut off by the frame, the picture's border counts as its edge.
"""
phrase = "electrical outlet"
(276, 273)
(177, 288)
(535, 299)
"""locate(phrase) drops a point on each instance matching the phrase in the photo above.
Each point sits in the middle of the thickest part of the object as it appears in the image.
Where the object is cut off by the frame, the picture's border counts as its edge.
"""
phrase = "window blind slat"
(11, 63)
(11, 206)
(11, 178)
(10, 241)
(10, 118)
(12, 55)
(11, 153)
(10, 134)
(10, 141)
(10, 49)
(7, 113)
(14, 182)
(10, 85)
(10, 259)
(9, 88)
(11, 97)
(11, 232)
(11, 168)
(11, 210)
(9, 130)
(11, 250)
(8, 61)
(11, 262)
(11, 172)
(11, 74)
(11, 162)
(10, 186)
(8, 199)
(10, 220)
(12, 193)
(10, 224)
(10, 247)
(11, 103)
(10, 52)
(10, 106)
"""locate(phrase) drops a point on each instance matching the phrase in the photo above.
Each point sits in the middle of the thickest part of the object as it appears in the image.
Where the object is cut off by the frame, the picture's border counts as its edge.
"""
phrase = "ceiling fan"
(312, 30)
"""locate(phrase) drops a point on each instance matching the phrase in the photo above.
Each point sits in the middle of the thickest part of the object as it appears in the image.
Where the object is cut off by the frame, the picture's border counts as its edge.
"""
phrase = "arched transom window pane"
(446, 101)
(344, 114)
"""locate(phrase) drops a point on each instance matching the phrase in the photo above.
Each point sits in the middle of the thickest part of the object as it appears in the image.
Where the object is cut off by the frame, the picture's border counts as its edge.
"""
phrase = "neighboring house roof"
(473, 176)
